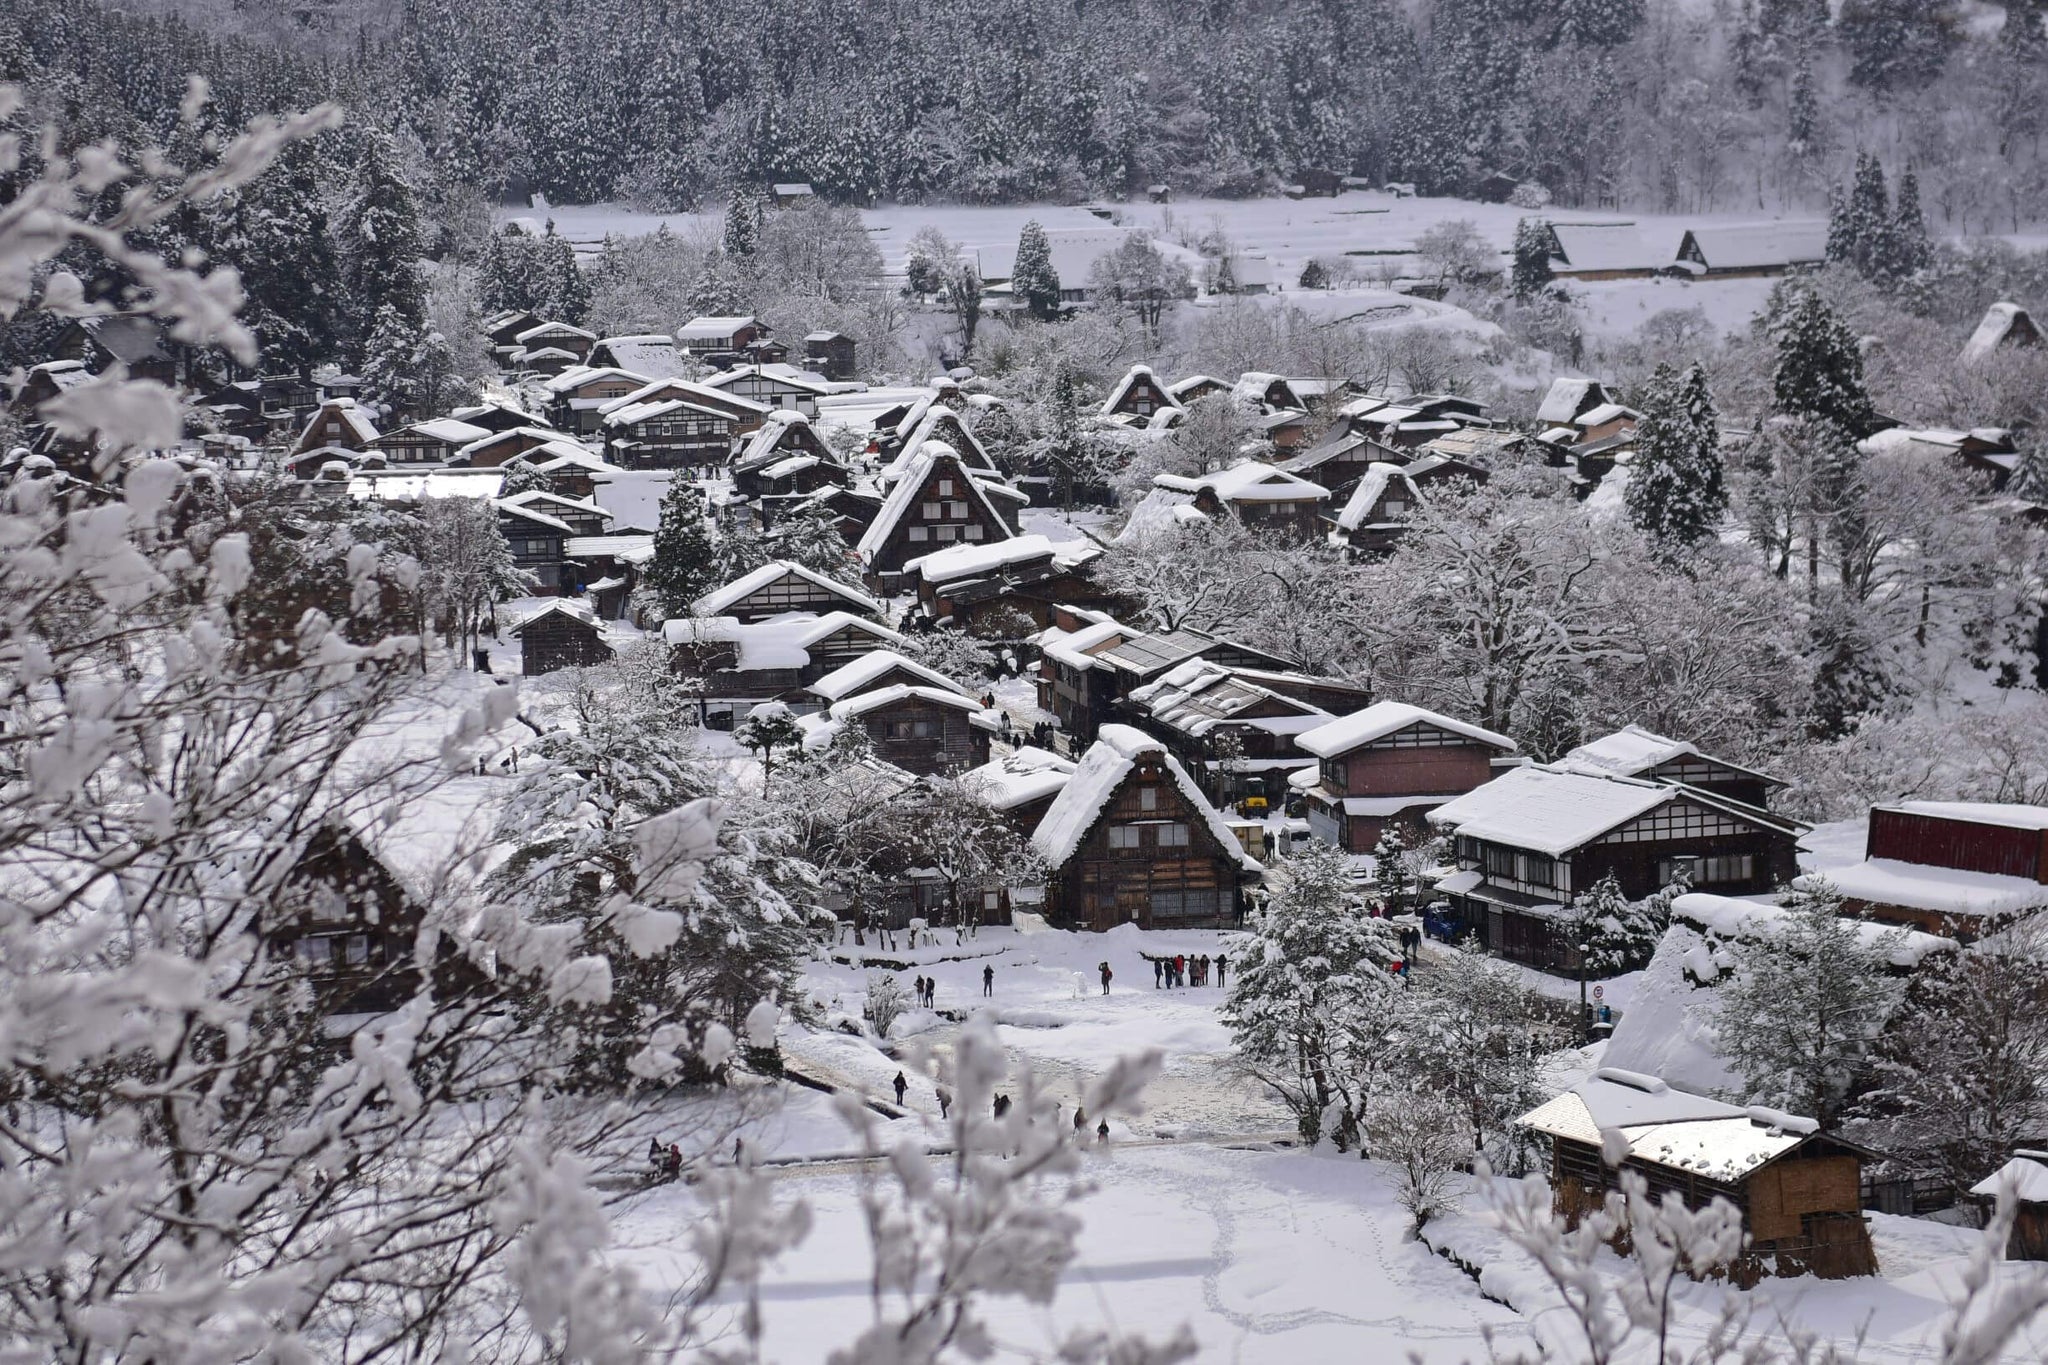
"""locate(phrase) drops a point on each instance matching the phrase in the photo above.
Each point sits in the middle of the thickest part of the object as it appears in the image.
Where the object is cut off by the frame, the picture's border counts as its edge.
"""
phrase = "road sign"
(1599, 991)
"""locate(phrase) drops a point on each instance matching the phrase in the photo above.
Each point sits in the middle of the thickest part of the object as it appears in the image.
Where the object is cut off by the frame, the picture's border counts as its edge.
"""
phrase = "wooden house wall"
(791, 592)
(494, 453)
(1710, 775)
(1101, 887)
(961, 512)
(1398, 765)
(1935, 841)
(1797, 1186)
(834, 359)
(953, 746)
(556, 641)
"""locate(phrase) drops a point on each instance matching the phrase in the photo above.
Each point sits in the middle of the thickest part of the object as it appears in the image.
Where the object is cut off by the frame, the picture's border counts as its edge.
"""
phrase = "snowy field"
(1371, 228)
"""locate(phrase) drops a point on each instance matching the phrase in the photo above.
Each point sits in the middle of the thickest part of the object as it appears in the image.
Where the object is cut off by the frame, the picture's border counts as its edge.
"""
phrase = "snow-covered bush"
(886, 1001)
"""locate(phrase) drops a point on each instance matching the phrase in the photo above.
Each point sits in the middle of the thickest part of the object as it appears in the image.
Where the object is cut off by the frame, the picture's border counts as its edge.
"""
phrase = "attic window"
(1148, 798)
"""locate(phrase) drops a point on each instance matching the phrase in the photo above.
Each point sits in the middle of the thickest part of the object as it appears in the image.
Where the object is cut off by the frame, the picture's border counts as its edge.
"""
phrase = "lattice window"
(1419, 737)
(1676, 820)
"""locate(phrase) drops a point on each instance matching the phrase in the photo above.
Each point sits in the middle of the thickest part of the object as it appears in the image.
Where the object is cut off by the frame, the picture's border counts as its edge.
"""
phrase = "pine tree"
(684, 565)
(1390, 878)
(1894, 42)
(1033, 279)
(509, 276)
(1819, 370)
(742, 223)
(1803, 126)
(565, 291)
(1676, 493)
(409, 368)
(275, 234)
(1531, 272)
(1795, 19)
(379, 242)
(1911, 249)
(1615, 934)
(1869, 220)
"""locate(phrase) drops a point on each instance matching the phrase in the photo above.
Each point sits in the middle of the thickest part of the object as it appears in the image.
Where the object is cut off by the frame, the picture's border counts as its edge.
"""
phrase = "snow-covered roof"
(1115, 753)
(1180, 388)
(971, 560)
(862, 703)
(633, 548)
(719, 600)
(1612, 246)
(63, 374)
(1668, 1127)
(781, 642)
(1371, 488)
(1197, 696)
(764, 441)
(1548, 811)
(713, 328)
(1252, 481)
(1381, 719)
(411, 486)
(1135, 375)
(543, 331)
(575, 608)
(569, 380)
(1739, 246)
(653, 354)
(533, 514)
(656, 390)
(2026, 1175)
(2006, 813)
(786, 375)
(1731, 917)
(1605, 413)
(859, 675)
(905, 493)
(539, 499)
(1567, 399)
(1024, 775)
(1944, 890)
(1998, 323)
(1630, 752)
(353, 414)
(925, 428)
(453, 431)
(1076, 648)
(633, 414)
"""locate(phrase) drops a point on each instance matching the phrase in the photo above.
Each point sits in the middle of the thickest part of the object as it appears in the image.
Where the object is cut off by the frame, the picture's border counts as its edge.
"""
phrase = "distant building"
(831, 354)
(704, 336)
(2005, 326)
(1753, 248)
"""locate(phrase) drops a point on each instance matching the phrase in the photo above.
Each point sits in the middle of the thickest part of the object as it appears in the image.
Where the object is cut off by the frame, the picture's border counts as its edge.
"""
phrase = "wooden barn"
(1955, 868)
(2025, 1177)
(1390, 763)
(734, 665)
(715, 335)
(1375, 517)
(669, 433)
(1237, 729)
(773, 386)
(1771, 248)
(2004, 326)
(340, 424)
(1130, 839)
(1262, 496)
(1533, 838)
(141, 345)
(577, 398)
(1799, 1190)
(563, 634)
(993, 590)
(1090, 661)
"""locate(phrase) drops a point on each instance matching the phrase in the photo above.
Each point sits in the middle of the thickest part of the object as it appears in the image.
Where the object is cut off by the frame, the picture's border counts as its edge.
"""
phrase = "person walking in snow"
(945, 1100)
(901, 1086)
(1180, 969)
(1158, 972)
(1222, 968)
(988, 981)
(1106, 974)
(654, 1154)
(1102, 1131)
(515, 758)
(1080, 1123)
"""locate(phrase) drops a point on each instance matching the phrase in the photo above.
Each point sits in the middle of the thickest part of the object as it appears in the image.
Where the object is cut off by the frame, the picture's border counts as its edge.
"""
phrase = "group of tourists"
(927, 992)
(1182, 970)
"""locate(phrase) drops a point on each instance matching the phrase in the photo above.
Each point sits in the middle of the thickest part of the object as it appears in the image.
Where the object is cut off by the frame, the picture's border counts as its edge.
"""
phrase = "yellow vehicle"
(1251, 804)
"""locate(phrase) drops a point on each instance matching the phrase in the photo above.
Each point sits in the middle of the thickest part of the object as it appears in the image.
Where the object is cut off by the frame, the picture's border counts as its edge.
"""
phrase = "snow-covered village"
(1024, 680)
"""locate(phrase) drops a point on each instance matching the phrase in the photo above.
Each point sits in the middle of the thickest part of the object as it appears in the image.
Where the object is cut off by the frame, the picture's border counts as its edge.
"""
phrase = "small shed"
(830, 354)
(563, 634)
(1799, 1190)
(2026, 1176)
(794, 193)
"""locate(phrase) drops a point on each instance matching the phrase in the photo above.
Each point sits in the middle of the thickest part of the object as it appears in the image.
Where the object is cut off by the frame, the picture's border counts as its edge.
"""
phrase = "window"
(920, 533)
(991, 900)
(358, 949)
(1123, 836)
(1394, 507)
(949, 533)
(924, 729)
(974, 533)
(957, 509)
(1186, 905)
(945, 488)
(1172, 834)
(1148, 798)
(1707, 871)
(932, 511)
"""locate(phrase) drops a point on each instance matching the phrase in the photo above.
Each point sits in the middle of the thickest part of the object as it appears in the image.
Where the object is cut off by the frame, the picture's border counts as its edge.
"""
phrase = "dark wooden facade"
(941, 506)
(1949, 839)
(918, 732)
(558, 638)
(1150, 859)
(1138, 396)
(670, 434)
(830, 354)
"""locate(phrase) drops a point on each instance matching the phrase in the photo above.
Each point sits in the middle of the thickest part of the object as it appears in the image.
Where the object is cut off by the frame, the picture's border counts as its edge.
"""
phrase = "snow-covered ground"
(1372, 229)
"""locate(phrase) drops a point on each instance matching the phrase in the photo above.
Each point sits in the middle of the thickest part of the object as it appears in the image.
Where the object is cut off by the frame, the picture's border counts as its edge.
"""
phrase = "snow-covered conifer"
(1531, 273)
(1033, 279)
(685, 565)
(1676, 491)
